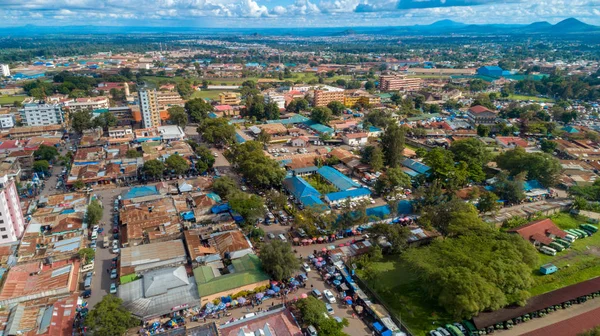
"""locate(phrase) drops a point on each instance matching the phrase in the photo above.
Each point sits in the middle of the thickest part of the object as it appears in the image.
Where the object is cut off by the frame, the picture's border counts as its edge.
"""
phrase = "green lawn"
(400, 291)
(579, 263)
(11, 99)
(534, 98)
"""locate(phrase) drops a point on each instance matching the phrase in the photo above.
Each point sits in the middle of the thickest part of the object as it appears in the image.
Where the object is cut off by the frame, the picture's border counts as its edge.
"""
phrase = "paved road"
(101, 280)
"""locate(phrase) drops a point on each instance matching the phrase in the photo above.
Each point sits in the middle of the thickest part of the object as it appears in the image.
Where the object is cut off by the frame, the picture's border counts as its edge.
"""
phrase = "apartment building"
(120, 132)
(352, 97)
(323, 97)
(399, 83)
(229, 98)
(4, 70)
(7, 121)
(480, 115)
(88, 103)
(276, 98)
(40, 114)
(166, 99)
(149, 108)
(12, 223)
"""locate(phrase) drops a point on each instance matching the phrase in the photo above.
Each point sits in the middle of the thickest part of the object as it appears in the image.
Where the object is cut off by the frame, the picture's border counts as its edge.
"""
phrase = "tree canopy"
(109, 317)
(321, 115)
(153, 168)
(249, 206)
(336, 107)
(224, 186)
(278, 260)
(177, 164)
(94, 212)
(177, 116)
(258, 169)
(198, 109)
(81, 120)
(392, 144)
(392, 179)
(538, 166)
(41, 166)
(474, 153)
(217, 131)
(45, 152)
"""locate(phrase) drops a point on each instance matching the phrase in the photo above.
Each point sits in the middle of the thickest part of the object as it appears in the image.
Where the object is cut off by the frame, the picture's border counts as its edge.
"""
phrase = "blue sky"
(290, 13)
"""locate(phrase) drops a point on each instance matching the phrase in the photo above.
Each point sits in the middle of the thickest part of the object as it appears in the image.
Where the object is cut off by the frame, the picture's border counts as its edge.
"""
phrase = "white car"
(215, 155)
(329, 296)
(305, 267)
(329, 309)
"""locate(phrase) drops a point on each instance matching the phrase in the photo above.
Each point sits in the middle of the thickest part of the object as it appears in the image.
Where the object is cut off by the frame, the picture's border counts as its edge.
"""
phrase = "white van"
(88, 267)
(548, 250)
(282, 237)
(94, 235)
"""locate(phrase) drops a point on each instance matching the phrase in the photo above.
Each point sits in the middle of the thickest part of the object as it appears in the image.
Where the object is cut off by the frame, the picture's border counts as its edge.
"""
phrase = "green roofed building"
(246, 274)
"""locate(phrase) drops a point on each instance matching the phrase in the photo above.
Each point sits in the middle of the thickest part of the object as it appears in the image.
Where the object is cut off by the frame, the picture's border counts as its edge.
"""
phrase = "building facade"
(278, 99)
(149, 108)
(12, 223)
(4, 70)
(90, 103)
(322, 97)
(41, 114)
(480, 115)
(7, 121)
(399, 83)
(229, 98)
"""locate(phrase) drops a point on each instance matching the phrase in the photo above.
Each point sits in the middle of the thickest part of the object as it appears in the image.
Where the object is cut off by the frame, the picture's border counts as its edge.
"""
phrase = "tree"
(177, 164)
(81, 120)
(249, 206)
(378, 118)
(474, 153)
(474, 272)
(376, 159)
(312, 310)
(510, 190)
(41, 166)
(441, 162)
(548, 146)
(109, 318)
(483, 131)
(297, 105)
(104, 121)
(259, 170)
(184, 88)
(198, 109)
(153, 168)
(392, 179)
(205, 155)
(78, 184)
(86, 254)
(592, 332)
(331, 327)
(263, 137)
(336, 107)
(133, 153)
(321, 115)
(224, 186)
(278, 260)
(453, 218)
(271, 111)
(45, 152)
(217, 131)
(488, 202)
(177, 116)
(396, 235)
(94, 212)
(538, 166)
(392, 144)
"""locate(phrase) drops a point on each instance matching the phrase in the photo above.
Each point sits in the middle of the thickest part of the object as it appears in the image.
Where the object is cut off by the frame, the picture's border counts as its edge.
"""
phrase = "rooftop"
(247, 270)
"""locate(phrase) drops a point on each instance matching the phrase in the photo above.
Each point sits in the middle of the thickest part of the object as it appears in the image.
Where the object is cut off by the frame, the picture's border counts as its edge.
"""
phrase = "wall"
(205, 299)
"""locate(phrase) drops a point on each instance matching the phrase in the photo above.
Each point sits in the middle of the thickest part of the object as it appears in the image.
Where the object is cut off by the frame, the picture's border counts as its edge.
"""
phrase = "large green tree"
(198, 109)
(393, 178)
(217, 131)
(321, 115)
(249, 206)
(41, 166)
(81, 120)
(278, 260)
(153, 168)
(474, 153)
(177, 116)
(392, 144)
(177, 164)
(258, 169)
(45, 152)
(336, 107)
(224, 186)
(104, 121)
(109, 318)
(538, 166)
(94, 212)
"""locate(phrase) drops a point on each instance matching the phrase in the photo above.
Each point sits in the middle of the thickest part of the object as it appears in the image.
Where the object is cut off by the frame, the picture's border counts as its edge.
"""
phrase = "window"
(2, 229)
(4, 236)
(1, 222)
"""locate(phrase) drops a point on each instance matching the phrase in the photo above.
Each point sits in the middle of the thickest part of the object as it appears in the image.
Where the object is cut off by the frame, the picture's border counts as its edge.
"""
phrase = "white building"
(12, 223)
(4, 70)
(89, 103)
(355, 139)
(149, 108)
(7, 121)
(278, 99)
(171, 132)
(120, 132)
(41, 114)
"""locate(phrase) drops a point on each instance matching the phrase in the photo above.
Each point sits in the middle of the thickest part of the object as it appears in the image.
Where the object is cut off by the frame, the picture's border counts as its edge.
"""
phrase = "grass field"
(400, 291)
(534, 98)
(578, 263)
(11, 99)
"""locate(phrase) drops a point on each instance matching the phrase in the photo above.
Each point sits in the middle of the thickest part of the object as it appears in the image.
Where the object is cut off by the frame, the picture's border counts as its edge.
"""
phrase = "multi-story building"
(276, 98)
(352, 97)
(89, 103)
(4, 70)
(149, 108)
(399, 83)
(120, 132)
(480, 115)
(12, 223)
(40, 114)
(7, 121)
(166, 99)
(229, 98)
(322, 97)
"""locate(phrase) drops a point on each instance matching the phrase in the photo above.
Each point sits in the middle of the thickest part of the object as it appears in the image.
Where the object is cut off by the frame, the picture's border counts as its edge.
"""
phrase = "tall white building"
(149, 108)
(4, 70)
(278, 99)
(41, 114)
(12, 223)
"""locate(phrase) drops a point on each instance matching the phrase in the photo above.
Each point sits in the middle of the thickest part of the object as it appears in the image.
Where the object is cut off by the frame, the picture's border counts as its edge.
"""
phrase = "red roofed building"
(278, 322)
(540, 232)
(481, 115)
(225, 111)
(512, 142)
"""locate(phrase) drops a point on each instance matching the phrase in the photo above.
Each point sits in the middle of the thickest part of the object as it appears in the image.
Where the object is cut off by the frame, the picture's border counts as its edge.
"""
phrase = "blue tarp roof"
(377, 326)
(140, 192)
(386, 333)
(296, 119)
(570, 129)
(322, 128)
(219, 208)
(416, 166)
(339, 180)
(405, 207)
(380, 211)
(214, 197)
(298, 187)
(533, 184)
(340, 195)
(188, 215)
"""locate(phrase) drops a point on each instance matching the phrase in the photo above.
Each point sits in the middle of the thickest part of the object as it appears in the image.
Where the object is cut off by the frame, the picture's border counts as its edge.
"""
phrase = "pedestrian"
(204, 319)
(108, 270)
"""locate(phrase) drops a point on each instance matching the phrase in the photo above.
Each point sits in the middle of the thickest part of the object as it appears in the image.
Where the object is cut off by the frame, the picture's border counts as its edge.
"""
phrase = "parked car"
(305, 267)
(93, 244)
(86, 294)
(113, 288)
(113, 273)
(312, 331)
(329, 296)
(270, 235)
(329, 309)
(316, 293)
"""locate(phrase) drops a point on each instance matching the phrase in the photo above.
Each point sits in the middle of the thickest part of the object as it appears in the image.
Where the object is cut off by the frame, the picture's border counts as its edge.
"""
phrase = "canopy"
(260, 295)
(378, 326)
(303, 295)
(241, 300)
(324, 249)
(349, 302)
(270, 292)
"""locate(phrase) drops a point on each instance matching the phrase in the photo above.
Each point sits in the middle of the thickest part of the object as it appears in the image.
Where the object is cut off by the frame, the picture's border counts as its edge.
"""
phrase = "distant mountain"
(446, 24)
(572, 25)
(537, 26)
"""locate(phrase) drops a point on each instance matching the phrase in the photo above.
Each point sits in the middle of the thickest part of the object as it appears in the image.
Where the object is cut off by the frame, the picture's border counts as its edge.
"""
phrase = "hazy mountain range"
(443, 27)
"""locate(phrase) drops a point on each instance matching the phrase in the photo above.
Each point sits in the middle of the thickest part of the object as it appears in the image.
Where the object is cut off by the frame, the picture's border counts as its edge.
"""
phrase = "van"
(547, 250)
(282, 237)
(88, 267)
(316, 293)
(312, 331)
(94, 235)
(87, 283)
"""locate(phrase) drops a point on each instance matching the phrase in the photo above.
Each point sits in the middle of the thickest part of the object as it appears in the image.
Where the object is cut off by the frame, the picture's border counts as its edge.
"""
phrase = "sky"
(289, 13)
